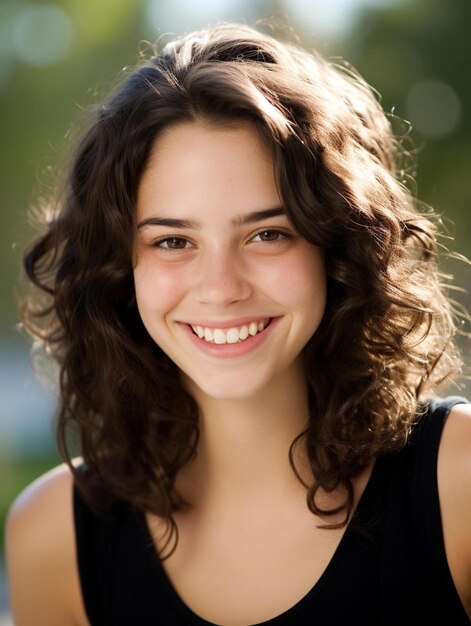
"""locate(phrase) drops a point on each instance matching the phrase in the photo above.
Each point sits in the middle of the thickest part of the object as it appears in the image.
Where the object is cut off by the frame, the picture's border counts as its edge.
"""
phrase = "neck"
(243, 451)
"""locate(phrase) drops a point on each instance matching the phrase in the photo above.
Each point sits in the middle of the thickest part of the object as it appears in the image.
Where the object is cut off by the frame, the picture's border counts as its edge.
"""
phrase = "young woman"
(246, 310)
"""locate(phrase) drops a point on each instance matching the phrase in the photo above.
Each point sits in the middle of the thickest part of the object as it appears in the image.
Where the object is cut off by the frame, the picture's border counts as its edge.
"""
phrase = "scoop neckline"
(290, 613)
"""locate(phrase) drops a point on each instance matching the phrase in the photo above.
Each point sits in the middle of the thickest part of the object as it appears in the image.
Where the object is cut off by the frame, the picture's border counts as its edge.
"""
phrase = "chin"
(227, 389)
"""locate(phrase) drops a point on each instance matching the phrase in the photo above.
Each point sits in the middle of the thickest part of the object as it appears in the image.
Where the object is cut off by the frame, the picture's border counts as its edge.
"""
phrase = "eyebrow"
(249, 218)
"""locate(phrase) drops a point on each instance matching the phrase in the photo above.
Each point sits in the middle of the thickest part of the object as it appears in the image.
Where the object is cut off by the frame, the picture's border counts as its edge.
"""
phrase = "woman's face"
(224, 284)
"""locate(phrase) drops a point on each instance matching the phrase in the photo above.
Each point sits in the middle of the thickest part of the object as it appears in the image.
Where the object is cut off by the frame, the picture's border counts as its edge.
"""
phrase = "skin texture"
(252, 406)
(454, 486)
(42, 568)
(223, 271)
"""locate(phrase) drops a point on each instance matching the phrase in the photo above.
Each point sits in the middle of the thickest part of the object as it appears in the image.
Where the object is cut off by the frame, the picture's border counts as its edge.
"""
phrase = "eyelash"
(272, 231)
(167, 250)
(157, 244)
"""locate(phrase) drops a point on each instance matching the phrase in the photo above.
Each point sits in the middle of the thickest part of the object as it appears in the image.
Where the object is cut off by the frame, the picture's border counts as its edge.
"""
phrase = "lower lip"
(231, 350)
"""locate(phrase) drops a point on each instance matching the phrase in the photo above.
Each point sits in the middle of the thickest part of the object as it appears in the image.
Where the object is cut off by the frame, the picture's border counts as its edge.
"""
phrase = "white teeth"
(219, 336)
(230, 335)
(244, 332)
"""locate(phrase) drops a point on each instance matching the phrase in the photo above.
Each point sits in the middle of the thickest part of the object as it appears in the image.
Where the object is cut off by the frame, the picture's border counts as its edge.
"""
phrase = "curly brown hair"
(387, 336)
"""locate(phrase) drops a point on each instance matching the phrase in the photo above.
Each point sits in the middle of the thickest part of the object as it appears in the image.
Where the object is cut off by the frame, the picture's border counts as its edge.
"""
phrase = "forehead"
(195, 143)
(195, 166)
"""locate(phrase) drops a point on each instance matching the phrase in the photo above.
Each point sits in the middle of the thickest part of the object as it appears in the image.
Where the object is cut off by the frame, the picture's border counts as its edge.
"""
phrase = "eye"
(271, 235)
(172, 243)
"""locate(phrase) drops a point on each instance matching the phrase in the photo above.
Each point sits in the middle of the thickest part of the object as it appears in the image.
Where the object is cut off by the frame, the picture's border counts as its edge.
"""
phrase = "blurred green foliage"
(408, 43)
(37, 105)
(426, 40)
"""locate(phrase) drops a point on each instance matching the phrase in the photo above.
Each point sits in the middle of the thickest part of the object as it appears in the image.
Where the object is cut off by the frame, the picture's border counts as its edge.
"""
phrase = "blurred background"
(57, 58)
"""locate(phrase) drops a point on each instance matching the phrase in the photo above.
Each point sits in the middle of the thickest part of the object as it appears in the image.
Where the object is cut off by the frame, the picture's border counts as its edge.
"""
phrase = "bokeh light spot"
(334, 18)
(434, 108)
(180, 15)
(41, 34)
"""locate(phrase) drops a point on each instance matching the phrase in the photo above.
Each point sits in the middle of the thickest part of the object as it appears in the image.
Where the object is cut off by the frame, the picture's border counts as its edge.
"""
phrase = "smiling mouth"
(235, 334)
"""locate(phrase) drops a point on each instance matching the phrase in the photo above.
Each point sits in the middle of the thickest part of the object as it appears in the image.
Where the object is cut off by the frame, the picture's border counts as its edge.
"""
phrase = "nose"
(222, 279)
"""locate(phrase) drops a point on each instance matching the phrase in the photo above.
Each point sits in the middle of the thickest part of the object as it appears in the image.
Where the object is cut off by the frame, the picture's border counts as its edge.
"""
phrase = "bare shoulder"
(40, 549)
(455, 445)
(454, 485)
(42, 511)
(46, 490)
(454, 466)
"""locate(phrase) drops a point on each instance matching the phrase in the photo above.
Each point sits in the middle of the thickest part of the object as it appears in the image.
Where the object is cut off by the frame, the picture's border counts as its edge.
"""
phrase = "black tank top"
(390, 568)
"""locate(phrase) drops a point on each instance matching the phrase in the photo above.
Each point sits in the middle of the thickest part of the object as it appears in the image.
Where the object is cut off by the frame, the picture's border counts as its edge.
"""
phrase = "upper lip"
(240, 321)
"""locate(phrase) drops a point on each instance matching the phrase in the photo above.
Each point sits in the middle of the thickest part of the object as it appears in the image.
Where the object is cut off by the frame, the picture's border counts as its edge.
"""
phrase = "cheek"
(301, 282)
(156, 290)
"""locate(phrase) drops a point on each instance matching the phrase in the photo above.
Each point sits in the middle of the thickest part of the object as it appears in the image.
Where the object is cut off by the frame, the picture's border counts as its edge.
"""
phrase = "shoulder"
(43, 510)
(37, 496)
(454, 486)
(40, 549)
(455, 447)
